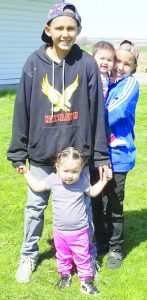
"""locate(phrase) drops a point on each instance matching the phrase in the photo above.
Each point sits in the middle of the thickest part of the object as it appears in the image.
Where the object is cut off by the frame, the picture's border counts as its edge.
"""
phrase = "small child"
(104, 53)
(70, 219)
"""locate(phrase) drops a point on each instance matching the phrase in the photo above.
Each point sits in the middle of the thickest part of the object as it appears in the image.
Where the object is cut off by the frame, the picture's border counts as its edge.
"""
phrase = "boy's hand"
(21, 169)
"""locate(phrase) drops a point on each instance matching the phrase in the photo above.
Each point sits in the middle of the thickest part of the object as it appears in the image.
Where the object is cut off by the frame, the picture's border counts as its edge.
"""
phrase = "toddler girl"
(70, 220)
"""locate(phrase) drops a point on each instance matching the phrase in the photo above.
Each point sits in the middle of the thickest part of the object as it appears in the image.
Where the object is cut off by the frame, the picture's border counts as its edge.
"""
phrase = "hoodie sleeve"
(17, 152)
(124, 102)
(101, 155)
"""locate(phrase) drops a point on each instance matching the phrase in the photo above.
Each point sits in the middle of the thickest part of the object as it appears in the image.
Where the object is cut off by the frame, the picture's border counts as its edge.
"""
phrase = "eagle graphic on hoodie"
(59, 101)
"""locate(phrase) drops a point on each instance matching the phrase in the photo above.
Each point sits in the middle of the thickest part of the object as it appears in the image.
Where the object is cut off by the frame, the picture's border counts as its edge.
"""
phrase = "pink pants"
(73, 246)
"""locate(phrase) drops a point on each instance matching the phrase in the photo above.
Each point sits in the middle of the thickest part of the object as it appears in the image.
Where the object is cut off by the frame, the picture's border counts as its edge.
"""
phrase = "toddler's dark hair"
(102, 45)
(71, 152)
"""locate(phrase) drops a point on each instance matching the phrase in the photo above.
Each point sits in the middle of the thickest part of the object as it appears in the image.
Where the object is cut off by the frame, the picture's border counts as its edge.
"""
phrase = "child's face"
(69, 170)
(105, 60)
(124, 64)
(63, 31)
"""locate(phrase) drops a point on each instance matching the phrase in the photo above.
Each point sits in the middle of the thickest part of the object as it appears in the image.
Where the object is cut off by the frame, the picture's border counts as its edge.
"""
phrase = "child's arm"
(35, 185)
(97, 188)
(121, 104)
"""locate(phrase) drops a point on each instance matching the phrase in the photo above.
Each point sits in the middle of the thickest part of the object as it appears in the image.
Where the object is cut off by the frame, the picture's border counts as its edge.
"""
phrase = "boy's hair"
(60, 10)
(127, 45)
(73, 153)
(102, 45)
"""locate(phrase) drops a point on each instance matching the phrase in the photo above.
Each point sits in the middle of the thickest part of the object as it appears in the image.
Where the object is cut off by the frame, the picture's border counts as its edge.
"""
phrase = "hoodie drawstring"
(62, 98)
(53, 86)
(63, 84)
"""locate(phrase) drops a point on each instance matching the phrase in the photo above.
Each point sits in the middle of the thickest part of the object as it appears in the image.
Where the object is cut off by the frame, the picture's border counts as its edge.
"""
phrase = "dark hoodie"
(58, 105)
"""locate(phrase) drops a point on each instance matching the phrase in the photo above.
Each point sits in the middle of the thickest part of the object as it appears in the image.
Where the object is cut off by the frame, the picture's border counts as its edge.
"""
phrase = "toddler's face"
(105, 60)
(124, 64)
(69, 170)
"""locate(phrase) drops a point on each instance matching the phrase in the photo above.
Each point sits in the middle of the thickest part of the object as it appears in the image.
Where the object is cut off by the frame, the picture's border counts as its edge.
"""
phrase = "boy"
(59, 103)
(120, 107)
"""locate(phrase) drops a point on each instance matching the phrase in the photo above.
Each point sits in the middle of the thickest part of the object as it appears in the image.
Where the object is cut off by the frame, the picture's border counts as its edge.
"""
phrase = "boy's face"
(63, 30)
(105, 60)
(124, 64)
(69, 170)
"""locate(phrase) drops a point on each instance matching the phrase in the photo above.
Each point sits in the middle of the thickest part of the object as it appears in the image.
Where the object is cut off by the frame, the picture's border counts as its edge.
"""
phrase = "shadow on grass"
(48, 253)
(135, 229)
(7, 93)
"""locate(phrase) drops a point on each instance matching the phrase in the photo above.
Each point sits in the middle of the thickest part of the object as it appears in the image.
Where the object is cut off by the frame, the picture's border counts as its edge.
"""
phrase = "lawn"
(126, 283)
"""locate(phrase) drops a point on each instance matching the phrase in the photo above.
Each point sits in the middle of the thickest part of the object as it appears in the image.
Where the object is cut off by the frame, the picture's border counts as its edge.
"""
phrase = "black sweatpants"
(108, 215)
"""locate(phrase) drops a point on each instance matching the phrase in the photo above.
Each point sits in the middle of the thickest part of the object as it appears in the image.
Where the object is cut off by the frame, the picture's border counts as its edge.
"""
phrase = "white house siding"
(21, 26)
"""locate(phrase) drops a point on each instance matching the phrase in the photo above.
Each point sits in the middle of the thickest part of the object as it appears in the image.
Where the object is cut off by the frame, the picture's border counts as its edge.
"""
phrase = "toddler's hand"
(109, 174)
(21, 169)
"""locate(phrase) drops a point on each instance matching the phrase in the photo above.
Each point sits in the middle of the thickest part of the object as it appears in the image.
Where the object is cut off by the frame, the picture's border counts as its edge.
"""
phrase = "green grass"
(126, 283)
